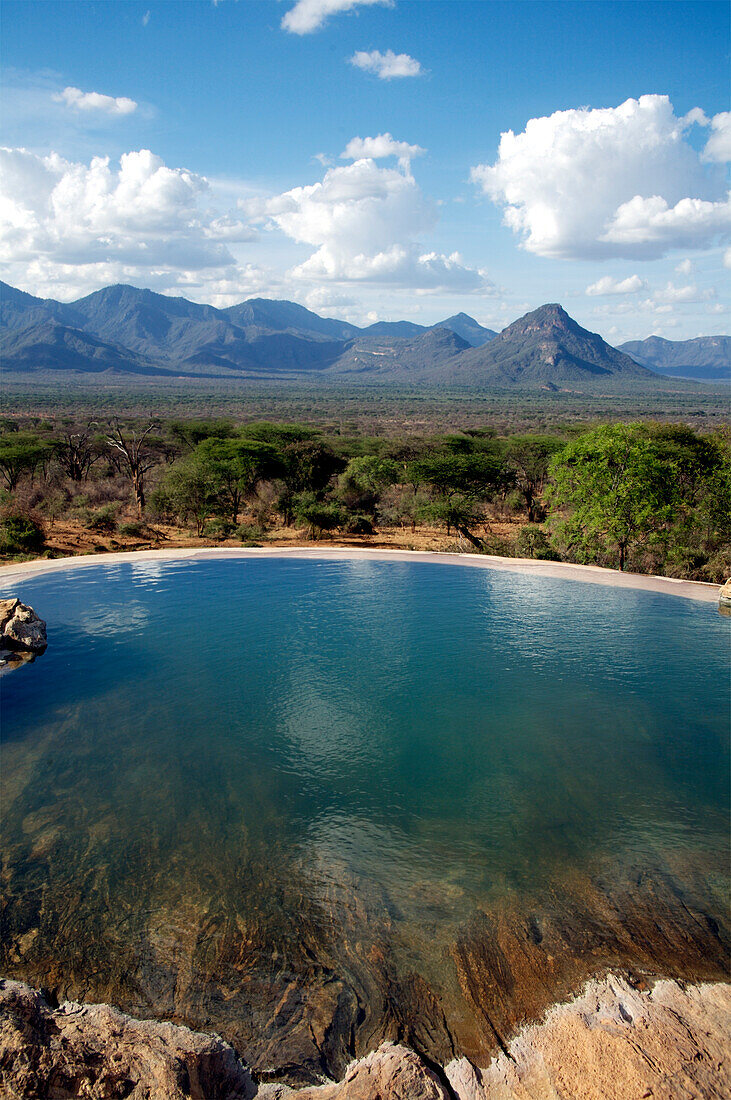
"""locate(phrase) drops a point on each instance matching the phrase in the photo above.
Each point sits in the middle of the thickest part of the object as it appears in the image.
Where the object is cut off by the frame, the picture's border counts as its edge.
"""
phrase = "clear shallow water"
(275, 738)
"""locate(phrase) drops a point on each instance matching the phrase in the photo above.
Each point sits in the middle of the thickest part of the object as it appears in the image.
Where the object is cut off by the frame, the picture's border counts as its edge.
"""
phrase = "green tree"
(317, 515)
(528, 458)
(454, 511)
(305, 465)
(237, 466)
(21, 453)
(617, 490)
(187, 492)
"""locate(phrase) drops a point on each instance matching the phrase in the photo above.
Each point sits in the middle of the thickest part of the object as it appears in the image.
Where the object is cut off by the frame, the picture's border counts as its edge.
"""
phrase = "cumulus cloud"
(671, 294)
(718, 146)
(309, 15)
(381, 147)
(607, 285)
(138, 220)
(651, 224)
(388, 65)
(364, 222)
(619, 181)
(95, 101)
(684, 267)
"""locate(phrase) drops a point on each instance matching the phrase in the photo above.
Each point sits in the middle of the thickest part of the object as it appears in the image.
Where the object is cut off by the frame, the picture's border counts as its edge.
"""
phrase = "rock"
(724, 596)
(20, 627)
(612, 1042)
(393, 1072)
(95, 1051)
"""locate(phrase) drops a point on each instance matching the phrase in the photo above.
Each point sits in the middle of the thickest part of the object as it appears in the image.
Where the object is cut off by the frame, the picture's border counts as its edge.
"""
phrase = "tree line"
(652, 497)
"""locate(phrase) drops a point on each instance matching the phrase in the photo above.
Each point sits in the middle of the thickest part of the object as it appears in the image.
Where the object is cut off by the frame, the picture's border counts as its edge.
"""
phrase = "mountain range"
(127, 330)
(706, 357)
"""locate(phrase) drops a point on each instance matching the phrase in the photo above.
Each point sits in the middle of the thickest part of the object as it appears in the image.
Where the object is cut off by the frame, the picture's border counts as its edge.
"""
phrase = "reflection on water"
(229, 781)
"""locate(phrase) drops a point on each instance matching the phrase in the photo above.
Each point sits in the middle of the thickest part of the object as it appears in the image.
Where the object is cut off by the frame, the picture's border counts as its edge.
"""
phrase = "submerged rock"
(97, 1051)
(21, 628)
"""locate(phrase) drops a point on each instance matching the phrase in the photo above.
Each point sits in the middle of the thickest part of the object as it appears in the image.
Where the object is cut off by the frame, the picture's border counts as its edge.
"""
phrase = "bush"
(318, 516)
(250, 534)
(217, 528)
(20, 532)
(359, 524)
(101, 520)
(132, 530)
(533, 542)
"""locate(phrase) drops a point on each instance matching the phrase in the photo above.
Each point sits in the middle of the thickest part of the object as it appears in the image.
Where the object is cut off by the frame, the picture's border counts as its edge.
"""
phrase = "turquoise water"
(198, 735)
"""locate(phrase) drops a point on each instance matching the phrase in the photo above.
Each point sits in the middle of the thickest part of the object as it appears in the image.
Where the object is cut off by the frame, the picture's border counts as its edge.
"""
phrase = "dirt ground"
(67, 538)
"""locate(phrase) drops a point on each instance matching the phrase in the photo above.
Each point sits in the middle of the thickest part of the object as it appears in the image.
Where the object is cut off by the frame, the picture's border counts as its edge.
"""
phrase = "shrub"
(132, 530)
(533, 542)
(217, 528)
(359, 524)
(250, 533)
(20, 532)
(101, 520)
(318, 516)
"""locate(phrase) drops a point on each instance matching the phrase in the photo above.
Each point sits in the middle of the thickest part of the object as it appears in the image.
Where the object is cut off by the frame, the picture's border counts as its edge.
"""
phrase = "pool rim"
(17, 572)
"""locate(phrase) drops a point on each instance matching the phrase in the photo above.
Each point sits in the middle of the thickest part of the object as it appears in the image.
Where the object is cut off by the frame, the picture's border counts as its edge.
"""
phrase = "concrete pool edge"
(593, 574)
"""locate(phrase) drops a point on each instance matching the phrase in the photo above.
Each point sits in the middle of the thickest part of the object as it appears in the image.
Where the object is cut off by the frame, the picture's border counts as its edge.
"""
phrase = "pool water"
(225, 776)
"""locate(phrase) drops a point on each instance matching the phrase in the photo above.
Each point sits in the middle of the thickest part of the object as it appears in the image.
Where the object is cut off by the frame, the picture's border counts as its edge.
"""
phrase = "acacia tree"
(21, 453)
(237, 466)
(187, 492)
(618, 492)
(528, 458)
(77, 450)
(132, 456)
(460, 481)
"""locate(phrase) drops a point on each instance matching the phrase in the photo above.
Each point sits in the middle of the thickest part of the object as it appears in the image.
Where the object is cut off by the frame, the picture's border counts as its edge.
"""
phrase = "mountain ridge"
(706, 358)
(129, 330)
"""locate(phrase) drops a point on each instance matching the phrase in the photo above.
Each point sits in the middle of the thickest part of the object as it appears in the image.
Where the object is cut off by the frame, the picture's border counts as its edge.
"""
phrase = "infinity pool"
(256, 794)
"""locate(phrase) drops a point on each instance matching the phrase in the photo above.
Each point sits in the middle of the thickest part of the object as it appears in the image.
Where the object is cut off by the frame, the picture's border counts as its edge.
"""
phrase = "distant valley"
(125, 330)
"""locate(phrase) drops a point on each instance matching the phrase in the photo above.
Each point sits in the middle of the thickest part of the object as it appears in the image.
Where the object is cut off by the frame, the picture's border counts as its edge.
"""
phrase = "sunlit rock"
(21, 628)
(95, 1050)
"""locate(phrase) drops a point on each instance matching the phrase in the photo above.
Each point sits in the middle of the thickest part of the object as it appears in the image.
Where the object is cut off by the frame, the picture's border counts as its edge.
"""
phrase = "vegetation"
(647, 496)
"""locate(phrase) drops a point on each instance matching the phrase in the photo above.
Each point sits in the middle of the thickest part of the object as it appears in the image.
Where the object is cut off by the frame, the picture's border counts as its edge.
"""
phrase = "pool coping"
(592, 574)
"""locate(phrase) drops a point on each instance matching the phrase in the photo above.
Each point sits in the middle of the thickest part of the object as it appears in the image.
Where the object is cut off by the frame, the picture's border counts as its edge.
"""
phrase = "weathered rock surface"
(95, 1052)
(614, 1042)
(393, 1072)
(724, 596)
(21, 628)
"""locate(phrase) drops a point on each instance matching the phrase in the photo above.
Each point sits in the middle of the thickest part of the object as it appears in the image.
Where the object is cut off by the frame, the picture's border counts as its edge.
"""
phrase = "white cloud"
(388, 65)
(690, 293)
(684, 267)
(309, 15)
(364, 222)
(145, 18)
(95, 101)
(607, 285)
(67, 225)
(380, 147)
(718, 146)
(727, 258)
(655, 227)
(621, 181)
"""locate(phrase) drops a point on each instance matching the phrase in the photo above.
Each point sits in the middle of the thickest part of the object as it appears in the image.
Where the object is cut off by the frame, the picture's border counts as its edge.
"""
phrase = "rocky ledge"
(20, 628)
(616, 1040)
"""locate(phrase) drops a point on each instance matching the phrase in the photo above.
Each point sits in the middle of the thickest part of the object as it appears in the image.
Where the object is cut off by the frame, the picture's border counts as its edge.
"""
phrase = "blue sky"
(614, 182)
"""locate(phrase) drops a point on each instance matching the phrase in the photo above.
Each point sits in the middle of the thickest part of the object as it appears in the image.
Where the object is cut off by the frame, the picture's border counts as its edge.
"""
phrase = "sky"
(375, 159)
